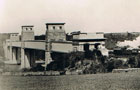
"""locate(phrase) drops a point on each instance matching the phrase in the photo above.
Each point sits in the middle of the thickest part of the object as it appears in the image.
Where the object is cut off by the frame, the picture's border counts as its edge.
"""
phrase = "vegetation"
(109, 81)
(91, 62)
(113, 38)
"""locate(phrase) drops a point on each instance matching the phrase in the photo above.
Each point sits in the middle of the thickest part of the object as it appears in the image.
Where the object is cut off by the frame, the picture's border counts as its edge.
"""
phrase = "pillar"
(5, 47)
(27, 59)
(10, 53)
(14, 55)
(22, 58)
(7, 52)
(48, 58)
(18, 56)
(32, 61)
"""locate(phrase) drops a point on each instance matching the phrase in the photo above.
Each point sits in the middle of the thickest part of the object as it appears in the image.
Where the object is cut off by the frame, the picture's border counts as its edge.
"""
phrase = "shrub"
(133, 62)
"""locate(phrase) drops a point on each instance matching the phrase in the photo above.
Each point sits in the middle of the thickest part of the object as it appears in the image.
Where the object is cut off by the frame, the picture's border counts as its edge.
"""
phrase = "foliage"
(90, 62)
(113, 38)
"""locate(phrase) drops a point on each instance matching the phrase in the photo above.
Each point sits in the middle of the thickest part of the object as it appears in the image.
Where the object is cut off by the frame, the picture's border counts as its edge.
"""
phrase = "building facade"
(24, 49)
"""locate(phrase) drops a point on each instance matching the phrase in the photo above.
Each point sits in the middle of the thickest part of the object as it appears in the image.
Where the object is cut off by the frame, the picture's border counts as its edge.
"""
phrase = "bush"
(133, 62)
(118, 64)
(62, 61)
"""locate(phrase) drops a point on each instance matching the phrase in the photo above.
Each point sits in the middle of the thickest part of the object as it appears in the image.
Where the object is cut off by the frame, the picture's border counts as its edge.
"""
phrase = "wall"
(14, 37)
(40, 45)
(28, 35)
(89, 36)
(62, 47)
(56, 33)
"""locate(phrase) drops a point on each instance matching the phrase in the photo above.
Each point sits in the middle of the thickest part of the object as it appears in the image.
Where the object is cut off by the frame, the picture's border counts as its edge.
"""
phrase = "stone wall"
(58, 35)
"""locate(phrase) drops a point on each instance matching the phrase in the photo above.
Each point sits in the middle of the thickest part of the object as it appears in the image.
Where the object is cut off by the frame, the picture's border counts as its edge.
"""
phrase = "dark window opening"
(86, 47)
(60, 27)
(53, 27)
(75, 49)
(96, 45)
(47, 27)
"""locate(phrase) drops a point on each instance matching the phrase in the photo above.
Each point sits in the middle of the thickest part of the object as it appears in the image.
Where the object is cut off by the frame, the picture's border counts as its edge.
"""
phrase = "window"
(60, 27)
(47, 27)
(26, 29)
(53, 27)
(30, 28)
(75, 49)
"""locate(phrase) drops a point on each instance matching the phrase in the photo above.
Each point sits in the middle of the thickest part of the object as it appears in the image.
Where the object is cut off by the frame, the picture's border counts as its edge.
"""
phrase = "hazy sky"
(84, 15)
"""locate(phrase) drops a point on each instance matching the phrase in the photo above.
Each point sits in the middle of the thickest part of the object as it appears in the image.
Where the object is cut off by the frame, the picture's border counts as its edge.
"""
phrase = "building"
(88, 41)
(28, 52)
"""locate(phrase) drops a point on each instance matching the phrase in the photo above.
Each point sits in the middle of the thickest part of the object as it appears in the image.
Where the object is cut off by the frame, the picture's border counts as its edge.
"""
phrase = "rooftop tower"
(55, 32)
(27, 33)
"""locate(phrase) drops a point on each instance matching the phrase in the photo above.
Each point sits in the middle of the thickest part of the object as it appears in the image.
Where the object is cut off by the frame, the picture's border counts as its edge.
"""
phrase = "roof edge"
(55, 23)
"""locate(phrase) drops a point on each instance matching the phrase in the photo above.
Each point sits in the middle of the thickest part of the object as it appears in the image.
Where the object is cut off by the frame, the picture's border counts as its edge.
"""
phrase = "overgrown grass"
(109, 81)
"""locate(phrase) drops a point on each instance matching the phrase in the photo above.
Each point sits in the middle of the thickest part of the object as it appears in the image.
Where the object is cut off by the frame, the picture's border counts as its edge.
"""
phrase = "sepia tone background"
(84, 15)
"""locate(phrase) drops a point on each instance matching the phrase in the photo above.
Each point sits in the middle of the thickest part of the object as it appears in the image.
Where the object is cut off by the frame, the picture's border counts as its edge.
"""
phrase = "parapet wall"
(126, 70)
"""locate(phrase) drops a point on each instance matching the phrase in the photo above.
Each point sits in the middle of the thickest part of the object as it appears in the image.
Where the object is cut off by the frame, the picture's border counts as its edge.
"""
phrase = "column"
(14, 55)
(10, 53)
(32, 54)
(5, 47)
(7, 52)
(48, 58)
(18, 55)
(27, 59)
(22, 58)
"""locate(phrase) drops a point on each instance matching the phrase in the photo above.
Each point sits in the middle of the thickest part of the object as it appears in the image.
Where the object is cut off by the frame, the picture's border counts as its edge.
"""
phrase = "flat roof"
(89, 40)
(55, 23)
(13, 33)
(27, 26)
(78, 33)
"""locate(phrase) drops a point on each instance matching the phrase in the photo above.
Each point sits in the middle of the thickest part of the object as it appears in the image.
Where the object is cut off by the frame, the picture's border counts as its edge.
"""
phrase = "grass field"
(109, 81)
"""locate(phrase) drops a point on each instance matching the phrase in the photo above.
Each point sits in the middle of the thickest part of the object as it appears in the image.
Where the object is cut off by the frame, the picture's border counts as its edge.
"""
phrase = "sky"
(79, 15)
